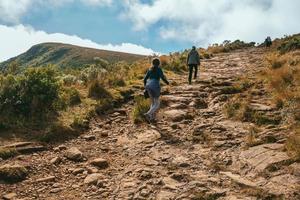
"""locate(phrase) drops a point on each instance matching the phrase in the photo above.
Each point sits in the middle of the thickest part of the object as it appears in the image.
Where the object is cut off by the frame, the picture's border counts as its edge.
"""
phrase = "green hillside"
(65, 55)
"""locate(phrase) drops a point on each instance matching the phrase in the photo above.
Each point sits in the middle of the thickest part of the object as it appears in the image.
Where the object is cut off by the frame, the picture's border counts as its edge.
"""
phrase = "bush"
(290, 45)
(29, 95)
(104, 105)
(140, 108)
(69, 80)
(116, 81)
(71, 96)
(56, 133)
(97, 91)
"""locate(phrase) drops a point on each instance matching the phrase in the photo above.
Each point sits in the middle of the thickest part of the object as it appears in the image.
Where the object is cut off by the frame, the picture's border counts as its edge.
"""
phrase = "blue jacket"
(152, 85)
(158, 74)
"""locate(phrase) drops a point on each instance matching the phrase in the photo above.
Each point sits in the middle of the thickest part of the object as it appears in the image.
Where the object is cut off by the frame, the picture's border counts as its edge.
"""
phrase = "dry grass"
(13, 174)
(140, 108)
(293, 144)
(252, 138)
(97, 91)
(6, 153)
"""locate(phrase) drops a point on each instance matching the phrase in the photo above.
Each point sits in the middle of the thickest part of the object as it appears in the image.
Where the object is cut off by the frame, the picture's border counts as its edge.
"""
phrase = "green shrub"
(140, 108)
(29, 95)
(116, 81)
(290, 45)
(56, 133)
(104, 105)
(71, 96)
(97, 91)
(80, 123)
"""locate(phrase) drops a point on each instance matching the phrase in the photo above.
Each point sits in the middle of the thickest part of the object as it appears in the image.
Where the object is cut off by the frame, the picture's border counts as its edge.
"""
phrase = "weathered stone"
(56, 190)
(78, 171)
(18, 144)
(264, 157)
(238, 179)
(170, 183)
(283, 185)
(148, 136)
(178, 106)
(10, 196)
(260, 107)
(92, 179)
(181, 161)
(100, 163)
(177, 115)
(92, 170)
(89, 137)
(165, 195)
(62, 147)
(30, 149)
(55, 160)
(46, 179)
(74, 154)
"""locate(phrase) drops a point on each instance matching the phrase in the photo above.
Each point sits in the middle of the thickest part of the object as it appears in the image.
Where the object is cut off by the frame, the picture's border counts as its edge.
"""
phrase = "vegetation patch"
(228, 46)
(141, 106)
(293, 145)
(6, 153)
(290, 44)
(13, 173)
(97, 91)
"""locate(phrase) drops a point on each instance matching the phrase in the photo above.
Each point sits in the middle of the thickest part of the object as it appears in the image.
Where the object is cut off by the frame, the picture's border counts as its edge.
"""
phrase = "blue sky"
(142, 26)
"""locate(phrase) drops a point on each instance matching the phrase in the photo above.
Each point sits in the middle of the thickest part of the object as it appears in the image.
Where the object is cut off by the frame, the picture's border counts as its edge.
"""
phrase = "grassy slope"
(65, 55)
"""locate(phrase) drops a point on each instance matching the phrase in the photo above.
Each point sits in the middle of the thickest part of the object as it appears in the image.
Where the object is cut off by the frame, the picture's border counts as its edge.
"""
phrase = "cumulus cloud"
(16, 40)
(13, 10)
(206, 21)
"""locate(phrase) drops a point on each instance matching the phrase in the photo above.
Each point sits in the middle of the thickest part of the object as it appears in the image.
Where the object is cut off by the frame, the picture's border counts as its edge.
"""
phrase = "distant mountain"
(66, 55)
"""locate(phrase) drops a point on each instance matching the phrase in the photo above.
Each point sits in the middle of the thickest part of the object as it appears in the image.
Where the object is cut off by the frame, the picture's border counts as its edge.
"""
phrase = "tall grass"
(141, 106)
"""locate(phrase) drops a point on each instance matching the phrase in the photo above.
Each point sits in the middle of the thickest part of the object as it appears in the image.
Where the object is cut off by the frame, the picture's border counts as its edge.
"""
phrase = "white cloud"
(207, 21)
(16, 40)
(11, 11)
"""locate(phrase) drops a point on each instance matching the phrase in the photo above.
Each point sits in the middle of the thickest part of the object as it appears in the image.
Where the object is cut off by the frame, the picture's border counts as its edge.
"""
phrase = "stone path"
(193, 152)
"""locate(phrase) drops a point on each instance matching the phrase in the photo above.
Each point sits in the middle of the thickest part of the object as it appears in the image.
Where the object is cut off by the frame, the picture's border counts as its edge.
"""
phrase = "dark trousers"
(191, 68)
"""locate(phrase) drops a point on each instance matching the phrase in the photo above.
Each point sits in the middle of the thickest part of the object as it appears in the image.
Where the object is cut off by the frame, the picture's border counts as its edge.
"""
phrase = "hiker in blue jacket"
(152, 86)
(193, 60)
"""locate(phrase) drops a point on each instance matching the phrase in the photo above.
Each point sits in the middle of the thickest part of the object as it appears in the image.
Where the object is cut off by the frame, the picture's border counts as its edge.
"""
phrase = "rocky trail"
(192, 152)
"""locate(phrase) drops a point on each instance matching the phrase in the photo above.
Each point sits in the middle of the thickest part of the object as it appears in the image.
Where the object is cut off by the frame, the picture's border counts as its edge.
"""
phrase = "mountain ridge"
(66, 55)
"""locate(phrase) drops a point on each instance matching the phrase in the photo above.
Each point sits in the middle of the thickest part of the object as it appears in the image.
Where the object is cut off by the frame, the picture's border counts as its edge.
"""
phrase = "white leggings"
(154, 107)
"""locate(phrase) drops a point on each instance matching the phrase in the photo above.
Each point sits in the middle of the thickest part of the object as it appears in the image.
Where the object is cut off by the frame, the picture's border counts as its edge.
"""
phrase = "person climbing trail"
(193, 60)
(152, 86)
(268, 42)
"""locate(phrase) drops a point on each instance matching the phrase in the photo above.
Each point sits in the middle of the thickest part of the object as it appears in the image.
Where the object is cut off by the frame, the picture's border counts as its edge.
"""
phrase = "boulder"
(148, 136)
(238, 179)
(92, 179)
(100, 163)
(283, 185)
(10, 196)
(55, 160)
(177, 115)
(265, 157)
(89, 137)
(74, 154)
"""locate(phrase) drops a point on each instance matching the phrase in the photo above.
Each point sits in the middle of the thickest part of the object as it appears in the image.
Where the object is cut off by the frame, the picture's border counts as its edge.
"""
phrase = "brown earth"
(192, 152)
